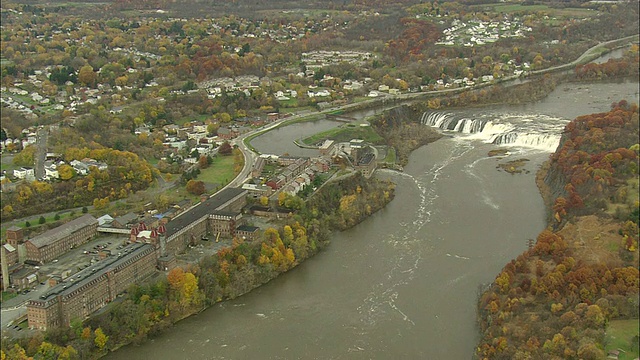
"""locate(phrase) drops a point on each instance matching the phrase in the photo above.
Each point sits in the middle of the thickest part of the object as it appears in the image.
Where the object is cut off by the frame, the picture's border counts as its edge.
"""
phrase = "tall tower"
(5, 268)
(15, 236)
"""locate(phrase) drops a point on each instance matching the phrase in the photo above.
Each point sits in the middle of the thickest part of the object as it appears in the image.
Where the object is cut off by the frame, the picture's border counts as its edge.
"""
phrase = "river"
(403, 284)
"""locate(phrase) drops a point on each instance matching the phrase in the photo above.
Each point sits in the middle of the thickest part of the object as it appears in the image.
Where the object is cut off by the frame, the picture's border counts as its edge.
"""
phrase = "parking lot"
(82, 256)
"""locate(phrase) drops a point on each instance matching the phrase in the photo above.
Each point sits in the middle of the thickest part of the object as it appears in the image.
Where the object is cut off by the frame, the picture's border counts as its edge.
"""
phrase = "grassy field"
(619, 336)
(391, 156)
(8, 167)
(219, 172)
(34, 222)
(6, 295)
(345, 133)
(192, 118)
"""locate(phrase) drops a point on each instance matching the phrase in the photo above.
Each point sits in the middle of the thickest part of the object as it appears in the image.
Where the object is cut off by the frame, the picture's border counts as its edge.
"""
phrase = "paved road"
(41, 151)
(250, 156)
(586, 56)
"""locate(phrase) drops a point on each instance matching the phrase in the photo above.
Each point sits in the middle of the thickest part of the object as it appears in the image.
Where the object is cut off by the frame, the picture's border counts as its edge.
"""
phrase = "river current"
(403, 284)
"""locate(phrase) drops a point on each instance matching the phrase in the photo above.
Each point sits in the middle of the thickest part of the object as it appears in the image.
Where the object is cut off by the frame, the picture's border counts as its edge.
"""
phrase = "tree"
(65, 172)
(282, 196)
(42, 220)
(87, 76)
(175, 277)
(212, 129)
(101, 339)
(26, 156)
(86, 333)
(203, 162)
(225, 148)
(85, 210)
(224, 117)
(27, 224)
(195, 187)
(7, 210)
(264, 201)
(189, 289)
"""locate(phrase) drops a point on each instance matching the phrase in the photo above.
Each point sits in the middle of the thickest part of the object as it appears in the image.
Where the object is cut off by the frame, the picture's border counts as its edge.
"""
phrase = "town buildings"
(193, 224)
(55, 242)
(151, 249)
(92, 288)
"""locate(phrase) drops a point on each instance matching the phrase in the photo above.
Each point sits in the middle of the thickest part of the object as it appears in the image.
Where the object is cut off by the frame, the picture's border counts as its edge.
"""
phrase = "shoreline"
(545, 193)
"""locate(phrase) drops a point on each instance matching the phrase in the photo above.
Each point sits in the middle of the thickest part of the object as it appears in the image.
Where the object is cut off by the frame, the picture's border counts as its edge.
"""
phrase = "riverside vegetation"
(556, 300)
(147, 310)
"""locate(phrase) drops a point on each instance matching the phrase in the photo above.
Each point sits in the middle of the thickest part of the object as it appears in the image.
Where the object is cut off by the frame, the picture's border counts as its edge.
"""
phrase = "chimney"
(5, 268)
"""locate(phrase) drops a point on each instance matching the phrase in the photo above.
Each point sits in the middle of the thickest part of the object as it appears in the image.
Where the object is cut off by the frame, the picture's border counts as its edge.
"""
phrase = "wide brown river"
(403, 284)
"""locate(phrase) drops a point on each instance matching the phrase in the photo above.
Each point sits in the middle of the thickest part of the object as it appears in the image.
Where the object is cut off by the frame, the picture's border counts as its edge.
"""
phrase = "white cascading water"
(530, 131)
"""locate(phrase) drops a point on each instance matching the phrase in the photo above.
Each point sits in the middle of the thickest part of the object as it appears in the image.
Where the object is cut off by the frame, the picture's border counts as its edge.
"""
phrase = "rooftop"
(58, 233)
(205, 208)
(89, 274)
(247, 228)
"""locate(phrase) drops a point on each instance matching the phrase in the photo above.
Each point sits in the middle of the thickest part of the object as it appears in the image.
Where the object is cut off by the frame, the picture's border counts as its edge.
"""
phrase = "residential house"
(51, 170)
(79, 167)
(27, 173)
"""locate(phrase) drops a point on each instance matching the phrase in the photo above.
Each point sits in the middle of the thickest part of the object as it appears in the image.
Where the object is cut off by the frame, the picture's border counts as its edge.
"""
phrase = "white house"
(80, 167)
(51, 171)
(25, 173)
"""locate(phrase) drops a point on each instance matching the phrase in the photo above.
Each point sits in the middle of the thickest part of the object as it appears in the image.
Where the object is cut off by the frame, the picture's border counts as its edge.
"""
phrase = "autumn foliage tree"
(184, 287)
(554, 293)
(225, 148)
(195, 187)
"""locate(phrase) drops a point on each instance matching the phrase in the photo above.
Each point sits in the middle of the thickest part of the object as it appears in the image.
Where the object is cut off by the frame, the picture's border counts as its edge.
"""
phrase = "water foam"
(539, 132)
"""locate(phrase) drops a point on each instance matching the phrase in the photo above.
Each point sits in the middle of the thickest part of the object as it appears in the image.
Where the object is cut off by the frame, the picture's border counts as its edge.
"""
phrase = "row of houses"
(294, 167)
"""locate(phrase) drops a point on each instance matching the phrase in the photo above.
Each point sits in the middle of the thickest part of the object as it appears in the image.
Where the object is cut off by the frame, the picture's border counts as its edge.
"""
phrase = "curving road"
(250, 156)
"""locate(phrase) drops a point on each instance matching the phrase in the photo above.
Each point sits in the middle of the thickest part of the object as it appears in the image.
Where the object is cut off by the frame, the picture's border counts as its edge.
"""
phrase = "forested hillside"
(556, 300)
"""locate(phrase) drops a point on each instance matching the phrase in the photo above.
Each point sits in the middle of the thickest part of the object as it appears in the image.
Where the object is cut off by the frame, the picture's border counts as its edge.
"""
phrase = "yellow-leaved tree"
(100, 339)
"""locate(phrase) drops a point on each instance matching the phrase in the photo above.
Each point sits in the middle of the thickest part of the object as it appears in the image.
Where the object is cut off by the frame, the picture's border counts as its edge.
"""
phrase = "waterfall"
(548, 142)
(531, 131)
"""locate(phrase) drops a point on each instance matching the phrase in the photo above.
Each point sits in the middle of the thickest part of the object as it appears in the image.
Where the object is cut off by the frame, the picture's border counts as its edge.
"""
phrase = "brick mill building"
(92, 288)
(219, 213)
(152, 248)
(55, 242)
